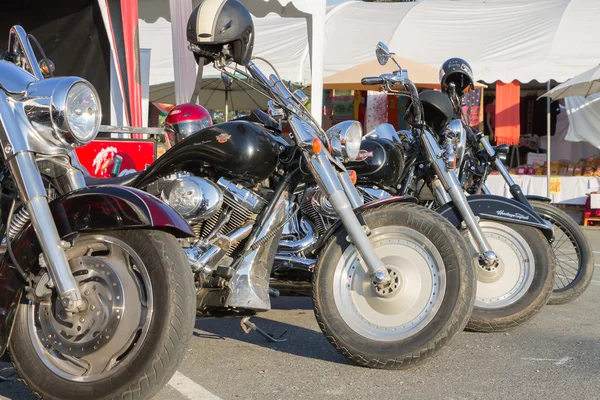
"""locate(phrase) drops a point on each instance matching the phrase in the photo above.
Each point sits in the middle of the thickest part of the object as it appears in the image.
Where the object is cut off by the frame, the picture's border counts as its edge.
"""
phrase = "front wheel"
(135, 331)
(428, 302)
(518, 288)
(572, 253)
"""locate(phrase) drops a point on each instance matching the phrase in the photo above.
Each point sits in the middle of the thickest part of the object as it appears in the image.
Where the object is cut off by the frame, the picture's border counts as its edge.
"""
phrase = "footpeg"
(248, 327)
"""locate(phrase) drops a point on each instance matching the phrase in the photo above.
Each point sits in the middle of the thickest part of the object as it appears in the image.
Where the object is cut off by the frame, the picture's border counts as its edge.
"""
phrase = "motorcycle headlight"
(82, 112)
(344, 139)
(76, 113)
(66, 112)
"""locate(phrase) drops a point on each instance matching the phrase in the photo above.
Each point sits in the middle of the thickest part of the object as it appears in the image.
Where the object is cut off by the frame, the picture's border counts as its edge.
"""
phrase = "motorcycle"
(97, 299)
(514, 263)
(509, 241)
(571, 249)
(388, 290)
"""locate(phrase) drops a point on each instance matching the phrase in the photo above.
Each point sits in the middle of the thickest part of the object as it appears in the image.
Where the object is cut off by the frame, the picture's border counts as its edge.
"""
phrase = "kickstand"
(248, 326)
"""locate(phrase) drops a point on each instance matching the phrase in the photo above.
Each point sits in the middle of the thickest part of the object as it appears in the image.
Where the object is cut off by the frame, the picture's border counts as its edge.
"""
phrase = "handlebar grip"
(372, 81)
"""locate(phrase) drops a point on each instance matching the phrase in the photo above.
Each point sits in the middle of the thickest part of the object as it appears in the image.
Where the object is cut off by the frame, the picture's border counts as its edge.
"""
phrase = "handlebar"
(372, 81)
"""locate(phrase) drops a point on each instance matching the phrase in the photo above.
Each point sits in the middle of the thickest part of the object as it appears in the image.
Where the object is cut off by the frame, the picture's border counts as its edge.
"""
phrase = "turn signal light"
(317, 145)
(353, 176)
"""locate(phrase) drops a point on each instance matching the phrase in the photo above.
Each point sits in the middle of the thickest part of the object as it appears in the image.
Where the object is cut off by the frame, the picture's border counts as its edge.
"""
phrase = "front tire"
(521, 285)
(429, 301)
(142, 276)
(572, 252)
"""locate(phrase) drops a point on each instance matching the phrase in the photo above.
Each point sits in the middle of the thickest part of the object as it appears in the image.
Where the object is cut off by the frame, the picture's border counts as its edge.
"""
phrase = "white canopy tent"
(501, 39)
(282, 29)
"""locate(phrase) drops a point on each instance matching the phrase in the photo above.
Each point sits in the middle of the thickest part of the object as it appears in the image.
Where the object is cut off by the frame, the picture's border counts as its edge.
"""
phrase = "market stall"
(574, 190)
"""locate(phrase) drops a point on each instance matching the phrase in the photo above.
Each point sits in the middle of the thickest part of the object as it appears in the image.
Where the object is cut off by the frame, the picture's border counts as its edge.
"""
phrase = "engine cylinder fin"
(309, 211)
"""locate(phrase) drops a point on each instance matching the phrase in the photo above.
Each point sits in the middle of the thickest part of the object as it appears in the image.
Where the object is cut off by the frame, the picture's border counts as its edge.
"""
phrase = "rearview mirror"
(383, 53)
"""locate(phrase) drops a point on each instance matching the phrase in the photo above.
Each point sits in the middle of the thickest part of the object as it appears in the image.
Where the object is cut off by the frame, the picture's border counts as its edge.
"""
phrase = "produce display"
(584, 167)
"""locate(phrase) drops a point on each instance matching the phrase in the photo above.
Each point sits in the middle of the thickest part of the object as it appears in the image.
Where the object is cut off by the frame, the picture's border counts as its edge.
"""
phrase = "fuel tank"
(380, 162)
(237, 149)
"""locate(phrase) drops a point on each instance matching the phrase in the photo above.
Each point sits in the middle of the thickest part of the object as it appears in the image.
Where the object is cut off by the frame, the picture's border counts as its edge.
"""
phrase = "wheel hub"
(79, 334)
(390, 288)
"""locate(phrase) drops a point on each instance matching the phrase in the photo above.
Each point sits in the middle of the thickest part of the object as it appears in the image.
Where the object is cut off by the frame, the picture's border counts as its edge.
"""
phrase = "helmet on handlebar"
(458, 71)
(221, 27)
(437, 109)
(184, 120)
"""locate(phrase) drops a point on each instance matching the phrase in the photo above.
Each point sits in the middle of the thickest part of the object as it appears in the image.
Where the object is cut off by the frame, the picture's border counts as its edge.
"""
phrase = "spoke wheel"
(95, 343)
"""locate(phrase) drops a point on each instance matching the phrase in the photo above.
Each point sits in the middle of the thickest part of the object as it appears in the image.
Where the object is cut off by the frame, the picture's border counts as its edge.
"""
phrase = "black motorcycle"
(388, 290)
(571, 249)
(509, 241)
(97, 299)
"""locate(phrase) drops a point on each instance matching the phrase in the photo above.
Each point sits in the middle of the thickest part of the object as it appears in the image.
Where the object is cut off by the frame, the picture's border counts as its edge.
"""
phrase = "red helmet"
(184, 120)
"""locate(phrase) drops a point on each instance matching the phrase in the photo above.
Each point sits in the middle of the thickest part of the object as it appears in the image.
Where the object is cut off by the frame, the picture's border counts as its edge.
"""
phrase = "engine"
(221, 215)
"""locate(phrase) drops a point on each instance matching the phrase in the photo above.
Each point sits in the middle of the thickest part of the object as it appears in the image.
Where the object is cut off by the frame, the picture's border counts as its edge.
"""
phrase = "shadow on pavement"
(300, 341)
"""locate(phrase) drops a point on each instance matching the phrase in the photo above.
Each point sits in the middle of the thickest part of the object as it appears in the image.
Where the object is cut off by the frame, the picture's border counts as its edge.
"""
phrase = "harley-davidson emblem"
(223, 137)
(363, 155)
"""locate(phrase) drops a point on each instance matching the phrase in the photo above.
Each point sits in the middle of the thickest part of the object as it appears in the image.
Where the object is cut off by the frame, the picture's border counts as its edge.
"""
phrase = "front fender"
(90, 209)
(497, 208)
(359, 211)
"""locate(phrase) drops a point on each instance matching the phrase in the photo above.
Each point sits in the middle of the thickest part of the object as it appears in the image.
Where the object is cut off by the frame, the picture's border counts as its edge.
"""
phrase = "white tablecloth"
(573, 189)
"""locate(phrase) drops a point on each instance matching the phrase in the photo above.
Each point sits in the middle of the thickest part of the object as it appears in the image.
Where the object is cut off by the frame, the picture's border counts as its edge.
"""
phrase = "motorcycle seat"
(124, 180)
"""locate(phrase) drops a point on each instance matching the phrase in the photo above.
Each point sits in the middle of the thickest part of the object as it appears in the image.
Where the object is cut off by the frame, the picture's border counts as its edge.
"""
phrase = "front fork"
(515, 190)
(344, 197)
(33, 193)
(448, 183)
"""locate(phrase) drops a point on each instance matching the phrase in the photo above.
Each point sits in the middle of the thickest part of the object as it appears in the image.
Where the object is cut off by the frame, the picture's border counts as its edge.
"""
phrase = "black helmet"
(457, 71)
(437, 109)
(218, 27)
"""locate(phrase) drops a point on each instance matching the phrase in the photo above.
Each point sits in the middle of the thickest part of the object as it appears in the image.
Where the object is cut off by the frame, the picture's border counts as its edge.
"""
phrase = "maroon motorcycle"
(97, 298)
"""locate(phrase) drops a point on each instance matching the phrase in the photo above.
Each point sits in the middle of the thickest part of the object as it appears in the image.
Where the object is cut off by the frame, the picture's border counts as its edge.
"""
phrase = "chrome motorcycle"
(571, 249)
(97, 299)
(388, 290)
(509, 242)
(514, 262)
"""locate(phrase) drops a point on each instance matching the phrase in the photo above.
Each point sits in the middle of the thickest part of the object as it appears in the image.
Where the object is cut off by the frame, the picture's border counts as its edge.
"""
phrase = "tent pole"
(548, 131)
(226, 107)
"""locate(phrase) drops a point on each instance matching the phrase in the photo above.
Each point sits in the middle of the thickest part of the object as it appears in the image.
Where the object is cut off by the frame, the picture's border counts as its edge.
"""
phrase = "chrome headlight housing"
(344, 139)
(65, 111)
(456, 135)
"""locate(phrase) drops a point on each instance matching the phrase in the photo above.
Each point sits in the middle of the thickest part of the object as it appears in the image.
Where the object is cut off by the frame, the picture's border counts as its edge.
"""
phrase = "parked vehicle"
(572, 252)
(388, 290)
(514, 262)
(97, 297)
(509, 241)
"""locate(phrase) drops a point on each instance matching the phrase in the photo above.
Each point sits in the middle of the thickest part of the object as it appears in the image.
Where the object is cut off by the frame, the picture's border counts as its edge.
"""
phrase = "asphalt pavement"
(554, 356)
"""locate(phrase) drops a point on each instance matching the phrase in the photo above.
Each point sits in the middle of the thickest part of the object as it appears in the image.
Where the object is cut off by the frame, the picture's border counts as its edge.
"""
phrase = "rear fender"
(497, 208)
(90, 209)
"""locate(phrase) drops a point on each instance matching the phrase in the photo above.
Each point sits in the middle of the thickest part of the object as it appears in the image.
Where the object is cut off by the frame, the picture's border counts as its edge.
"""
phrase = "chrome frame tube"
(33, 193)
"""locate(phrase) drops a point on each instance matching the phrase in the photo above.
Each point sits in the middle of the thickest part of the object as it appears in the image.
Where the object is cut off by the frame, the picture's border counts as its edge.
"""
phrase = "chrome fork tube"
(326, 177)
(451, 183)
(33, 193)
(439, 192)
